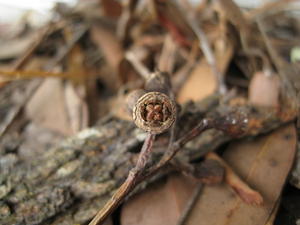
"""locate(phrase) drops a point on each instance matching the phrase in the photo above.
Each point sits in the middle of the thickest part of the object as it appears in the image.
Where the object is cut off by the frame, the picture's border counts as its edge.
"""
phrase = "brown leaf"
(264, 164)
(76, 107)
(246, 193)
(202, 82)
(47, 106)
(273, 214)
(108, 45)
(159, 204)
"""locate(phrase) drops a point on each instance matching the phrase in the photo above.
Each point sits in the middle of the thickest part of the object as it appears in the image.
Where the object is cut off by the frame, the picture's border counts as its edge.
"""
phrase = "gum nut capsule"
(154, 112)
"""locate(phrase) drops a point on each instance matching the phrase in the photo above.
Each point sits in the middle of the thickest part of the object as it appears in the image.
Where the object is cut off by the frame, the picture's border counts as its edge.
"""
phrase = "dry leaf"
(76, 107)
(264, 164)
(181, 188)
(246, 193)
(108, 45)
(273, 214)
(159, 204)
(202, 82)
(47, 106)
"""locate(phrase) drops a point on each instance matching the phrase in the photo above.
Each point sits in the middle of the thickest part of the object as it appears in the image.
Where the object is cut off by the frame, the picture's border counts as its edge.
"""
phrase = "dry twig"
(137, 174)
(208, 53)
(129, 183)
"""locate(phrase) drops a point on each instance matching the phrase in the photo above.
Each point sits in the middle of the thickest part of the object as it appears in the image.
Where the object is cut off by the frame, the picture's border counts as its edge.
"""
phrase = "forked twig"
(129, 183)
(138, 174)
(177, 145)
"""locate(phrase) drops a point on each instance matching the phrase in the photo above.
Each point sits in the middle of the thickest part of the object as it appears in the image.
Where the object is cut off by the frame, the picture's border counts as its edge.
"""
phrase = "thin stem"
(184, 72)
(173, 128)
(129, 183)
(138, 65)
(128, 9)
(208, 53)
(176, 146)
(166, 60)
(189, 206)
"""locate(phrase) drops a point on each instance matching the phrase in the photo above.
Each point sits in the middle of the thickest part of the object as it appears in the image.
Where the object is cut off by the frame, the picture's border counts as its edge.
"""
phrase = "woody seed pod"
(154, 112)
